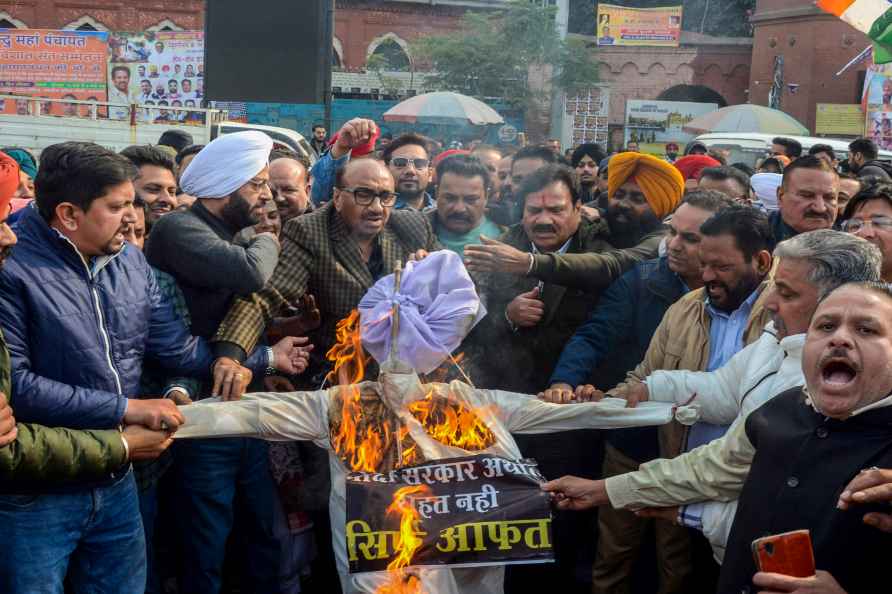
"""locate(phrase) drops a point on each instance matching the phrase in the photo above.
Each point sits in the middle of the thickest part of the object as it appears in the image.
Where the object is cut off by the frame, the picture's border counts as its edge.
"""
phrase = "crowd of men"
(134, 284)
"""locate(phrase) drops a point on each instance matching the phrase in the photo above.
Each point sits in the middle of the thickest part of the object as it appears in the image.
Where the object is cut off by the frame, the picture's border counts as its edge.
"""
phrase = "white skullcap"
(226, 164)
(765, 186)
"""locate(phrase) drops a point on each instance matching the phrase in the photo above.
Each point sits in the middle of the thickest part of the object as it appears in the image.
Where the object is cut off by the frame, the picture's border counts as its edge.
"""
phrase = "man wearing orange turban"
(660, 182)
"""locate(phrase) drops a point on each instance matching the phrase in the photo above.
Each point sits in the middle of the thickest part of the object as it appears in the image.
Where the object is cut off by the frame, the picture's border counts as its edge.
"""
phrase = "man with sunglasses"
(408, 158)
(869, 216)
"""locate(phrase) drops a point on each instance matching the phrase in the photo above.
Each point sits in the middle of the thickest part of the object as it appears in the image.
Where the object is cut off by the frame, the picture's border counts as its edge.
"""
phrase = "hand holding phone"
(789, 554)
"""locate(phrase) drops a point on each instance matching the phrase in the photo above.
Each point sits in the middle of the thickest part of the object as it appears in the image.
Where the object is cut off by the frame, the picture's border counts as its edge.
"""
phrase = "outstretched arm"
(274, 416)
(715, 471)
(522, 413)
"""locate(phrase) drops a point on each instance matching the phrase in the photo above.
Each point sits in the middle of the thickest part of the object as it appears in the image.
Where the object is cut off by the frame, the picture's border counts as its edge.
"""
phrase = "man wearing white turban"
(230, 179)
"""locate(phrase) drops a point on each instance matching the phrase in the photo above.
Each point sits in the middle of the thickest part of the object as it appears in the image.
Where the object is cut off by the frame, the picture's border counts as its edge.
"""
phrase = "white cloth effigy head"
(438, 307)
(226, 164)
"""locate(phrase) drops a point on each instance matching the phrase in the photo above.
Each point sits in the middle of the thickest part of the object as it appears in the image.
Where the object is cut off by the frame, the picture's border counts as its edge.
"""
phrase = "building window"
(85, 23)
(391, 56)
(165, 25)
(8, 22)
(335, 58)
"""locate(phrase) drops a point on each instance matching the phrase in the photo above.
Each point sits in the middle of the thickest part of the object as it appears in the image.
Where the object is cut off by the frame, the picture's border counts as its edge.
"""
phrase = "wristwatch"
(270, 360)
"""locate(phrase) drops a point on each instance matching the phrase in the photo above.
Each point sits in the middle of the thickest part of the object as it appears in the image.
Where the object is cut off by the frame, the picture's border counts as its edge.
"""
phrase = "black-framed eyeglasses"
(402, 162)
(365, 196)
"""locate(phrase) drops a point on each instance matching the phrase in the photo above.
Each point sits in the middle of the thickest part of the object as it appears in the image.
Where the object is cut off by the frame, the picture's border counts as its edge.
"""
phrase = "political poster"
(53, 65)
(469, 511)
(588, 112)
(618, 25)
(653, 124)
(877, 104)
(164, 69)
(837, 119)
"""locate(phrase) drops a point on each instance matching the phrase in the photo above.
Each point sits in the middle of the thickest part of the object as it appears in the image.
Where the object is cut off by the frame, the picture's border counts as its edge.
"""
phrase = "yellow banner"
(617, 25)
(839, 119)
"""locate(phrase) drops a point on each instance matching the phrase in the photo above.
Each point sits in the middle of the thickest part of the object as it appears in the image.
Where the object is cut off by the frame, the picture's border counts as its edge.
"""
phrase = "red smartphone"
(789, 554)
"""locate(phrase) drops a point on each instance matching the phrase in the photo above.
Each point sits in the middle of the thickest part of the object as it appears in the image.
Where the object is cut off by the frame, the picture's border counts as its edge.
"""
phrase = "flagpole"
(863, 55)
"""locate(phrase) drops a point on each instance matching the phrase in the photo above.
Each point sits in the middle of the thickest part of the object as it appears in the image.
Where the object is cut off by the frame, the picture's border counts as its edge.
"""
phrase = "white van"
(746, 147)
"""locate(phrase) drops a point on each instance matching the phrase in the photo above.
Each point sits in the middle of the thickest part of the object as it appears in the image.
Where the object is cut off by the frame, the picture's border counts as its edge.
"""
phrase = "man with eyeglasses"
(230, 180)
(408, 158)
(869, 216)
(335, 253)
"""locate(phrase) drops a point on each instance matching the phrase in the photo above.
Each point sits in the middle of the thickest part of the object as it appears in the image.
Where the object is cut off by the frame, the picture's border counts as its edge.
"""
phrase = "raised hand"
(354, 133)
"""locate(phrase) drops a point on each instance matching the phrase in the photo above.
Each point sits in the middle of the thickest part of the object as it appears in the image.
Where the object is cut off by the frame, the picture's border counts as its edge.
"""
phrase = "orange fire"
(401, 584)
(408, 540)
(452, 423)
(347, 352)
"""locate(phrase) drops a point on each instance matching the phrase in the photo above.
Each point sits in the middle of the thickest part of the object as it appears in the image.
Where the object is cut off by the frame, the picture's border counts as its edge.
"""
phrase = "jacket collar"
(781, 230)
(664, 283)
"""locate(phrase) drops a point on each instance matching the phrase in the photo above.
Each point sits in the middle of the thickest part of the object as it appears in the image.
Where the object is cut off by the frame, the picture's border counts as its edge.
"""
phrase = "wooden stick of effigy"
(395, 311)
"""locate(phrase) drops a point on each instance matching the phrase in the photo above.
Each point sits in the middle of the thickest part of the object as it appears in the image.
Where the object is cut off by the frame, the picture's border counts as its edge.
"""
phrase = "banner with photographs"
(653, 124)
(588, 112)
(164, 68)
(618, 25)
(469, 511)
(53, 65)
(877, 103)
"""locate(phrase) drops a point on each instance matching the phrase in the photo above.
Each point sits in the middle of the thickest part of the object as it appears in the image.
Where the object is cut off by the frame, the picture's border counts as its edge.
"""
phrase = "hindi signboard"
(53, 65)
(839, 119)
(164, 68)
(618, 25)
(653, 124)
(471, 511)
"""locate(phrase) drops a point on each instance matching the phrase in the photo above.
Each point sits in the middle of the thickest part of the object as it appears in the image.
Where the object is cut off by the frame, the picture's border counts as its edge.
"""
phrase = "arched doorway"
(694, 93)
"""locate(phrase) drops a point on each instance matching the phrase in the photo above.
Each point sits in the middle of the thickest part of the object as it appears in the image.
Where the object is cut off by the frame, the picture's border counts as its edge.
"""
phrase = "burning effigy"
(429, 493)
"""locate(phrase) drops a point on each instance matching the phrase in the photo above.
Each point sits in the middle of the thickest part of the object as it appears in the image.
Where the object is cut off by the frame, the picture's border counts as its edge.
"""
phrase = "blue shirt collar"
(744, 307)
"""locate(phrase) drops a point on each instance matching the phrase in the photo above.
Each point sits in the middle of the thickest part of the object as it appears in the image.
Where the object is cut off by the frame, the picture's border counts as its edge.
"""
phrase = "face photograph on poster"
(161, 69)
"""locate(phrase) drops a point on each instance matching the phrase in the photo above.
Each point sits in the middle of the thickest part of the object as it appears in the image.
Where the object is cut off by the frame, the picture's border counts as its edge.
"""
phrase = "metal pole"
(328, 24)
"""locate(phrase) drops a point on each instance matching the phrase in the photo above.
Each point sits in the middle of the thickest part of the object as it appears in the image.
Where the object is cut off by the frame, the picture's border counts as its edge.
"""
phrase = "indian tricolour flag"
(872, 17)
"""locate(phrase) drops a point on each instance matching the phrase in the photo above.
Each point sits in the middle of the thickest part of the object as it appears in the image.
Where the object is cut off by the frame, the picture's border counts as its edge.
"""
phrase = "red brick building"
(815, 46)
(103, 15)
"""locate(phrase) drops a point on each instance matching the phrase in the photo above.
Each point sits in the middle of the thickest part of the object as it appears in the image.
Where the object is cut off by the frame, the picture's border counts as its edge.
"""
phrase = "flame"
(452, 423)
(408, 541)
(347, 352)
(401, 584)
